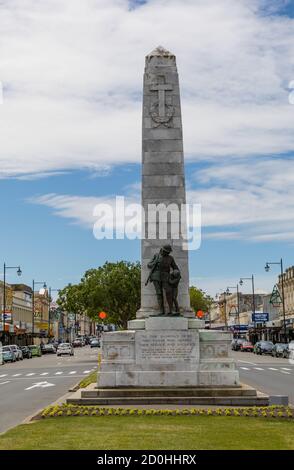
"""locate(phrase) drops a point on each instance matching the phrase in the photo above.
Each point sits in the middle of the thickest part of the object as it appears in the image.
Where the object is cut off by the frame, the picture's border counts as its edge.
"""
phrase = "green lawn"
(152, 432)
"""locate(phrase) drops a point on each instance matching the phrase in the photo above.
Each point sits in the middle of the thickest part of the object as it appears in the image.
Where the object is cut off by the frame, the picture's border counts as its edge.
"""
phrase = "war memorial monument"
(166, 355)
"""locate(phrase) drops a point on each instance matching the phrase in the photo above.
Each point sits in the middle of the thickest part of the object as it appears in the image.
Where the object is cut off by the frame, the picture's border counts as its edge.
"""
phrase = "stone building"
(288, 278)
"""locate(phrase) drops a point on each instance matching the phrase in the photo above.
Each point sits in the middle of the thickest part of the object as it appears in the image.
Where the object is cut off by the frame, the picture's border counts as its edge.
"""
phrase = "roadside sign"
(260, 317)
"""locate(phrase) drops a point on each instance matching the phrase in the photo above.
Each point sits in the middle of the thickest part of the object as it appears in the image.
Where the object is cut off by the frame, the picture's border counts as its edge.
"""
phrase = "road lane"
(32, 384)
(270, 375)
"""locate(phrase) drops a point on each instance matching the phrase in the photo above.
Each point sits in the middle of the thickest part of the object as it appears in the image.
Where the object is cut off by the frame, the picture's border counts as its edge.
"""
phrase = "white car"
(65, 348)
(17, 351)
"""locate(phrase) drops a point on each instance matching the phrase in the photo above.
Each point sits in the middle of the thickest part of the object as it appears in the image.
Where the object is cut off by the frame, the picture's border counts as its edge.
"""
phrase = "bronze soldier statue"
(163, 280)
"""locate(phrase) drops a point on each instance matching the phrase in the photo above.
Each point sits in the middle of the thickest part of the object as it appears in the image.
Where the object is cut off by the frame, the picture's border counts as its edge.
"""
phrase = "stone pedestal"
(166, 352)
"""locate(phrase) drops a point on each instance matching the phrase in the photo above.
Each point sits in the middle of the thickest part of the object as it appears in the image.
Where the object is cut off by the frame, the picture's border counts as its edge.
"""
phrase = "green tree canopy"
(113, 288)
(200, 300)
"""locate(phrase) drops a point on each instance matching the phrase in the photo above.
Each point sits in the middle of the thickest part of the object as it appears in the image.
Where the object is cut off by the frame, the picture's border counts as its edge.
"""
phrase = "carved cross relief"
(161, 112)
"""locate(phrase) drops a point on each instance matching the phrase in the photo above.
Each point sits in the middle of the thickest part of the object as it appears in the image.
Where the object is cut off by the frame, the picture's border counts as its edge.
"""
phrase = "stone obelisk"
(163, 177)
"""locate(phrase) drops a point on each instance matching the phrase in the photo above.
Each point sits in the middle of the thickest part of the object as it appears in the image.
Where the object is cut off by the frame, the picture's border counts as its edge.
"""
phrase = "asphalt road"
(271, 375)
(29, 385)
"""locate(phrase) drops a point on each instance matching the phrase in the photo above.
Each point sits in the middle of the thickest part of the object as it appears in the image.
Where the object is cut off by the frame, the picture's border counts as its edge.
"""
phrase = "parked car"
(65, 348)
(263, 347)
(26, 352)
(48, 349)
(17, 351)
(35, 350)
(95, 343)
(236, 343)
(77, 343)
(82, 339)
(246, 346)
(8, 354)
(280, 350)
(291, 350)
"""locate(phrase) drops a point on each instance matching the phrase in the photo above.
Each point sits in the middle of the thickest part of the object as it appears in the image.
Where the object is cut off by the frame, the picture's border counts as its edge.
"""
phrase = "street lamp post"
(267, 268)
(238, 304)
(4, 291)
(33, 304)
(253, 295)
(49, 306)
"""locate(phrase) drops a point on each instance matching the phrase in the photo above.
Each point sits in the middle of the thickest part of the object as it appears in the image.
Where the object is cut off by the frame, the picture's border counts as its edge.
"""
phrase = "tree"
(200, 300)
(113, 288)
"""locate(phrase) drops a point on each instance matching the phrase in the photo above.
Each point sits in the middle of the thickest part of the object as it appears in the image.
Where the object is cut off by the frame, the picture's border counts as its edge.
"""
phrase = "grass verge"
(152, 433)
(91, 378)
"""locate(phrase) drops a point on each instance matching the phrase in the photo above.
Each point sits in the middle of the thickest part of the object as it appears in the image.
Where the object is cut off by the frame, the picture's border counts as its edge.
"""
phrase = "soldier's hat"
(167, 248)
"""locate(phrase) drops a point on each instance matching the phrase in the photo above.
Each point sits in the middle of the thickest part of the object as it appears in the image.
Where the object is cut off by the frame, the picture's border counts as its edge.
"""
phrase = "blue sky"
(70, 127)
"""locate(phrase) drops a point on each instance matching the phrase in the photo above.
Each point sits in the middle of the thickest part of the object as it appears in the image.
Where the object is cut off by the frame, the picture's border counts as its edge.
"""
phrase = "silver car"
(17, 351)
(65, 348)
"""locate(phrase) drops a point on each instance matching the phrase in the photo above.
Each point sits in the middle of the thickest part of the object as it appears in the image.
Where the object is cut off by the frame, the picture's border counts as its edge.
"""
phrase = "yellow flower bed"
(77, 410)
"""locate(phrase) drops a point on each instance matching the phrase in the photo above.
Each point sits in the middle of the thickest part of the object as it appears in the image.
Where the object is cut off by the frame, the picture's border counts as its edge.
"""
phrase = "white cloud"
(72, 75)
(241, 201)
(252, 200)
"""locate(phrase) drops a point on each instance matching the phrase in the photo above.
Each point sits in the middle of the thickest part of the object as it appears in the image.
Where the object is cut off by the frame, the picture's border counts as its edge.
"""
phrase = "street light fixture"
(19, 272)
(267, 268)
(238, 303)
(253, 295)
(33, 304)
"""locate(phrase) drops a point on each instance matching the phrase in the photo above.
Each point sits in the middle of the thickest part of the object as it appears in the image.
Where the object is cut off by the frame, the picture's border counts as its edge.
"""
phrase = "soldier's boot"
(160, 303)
(169, 298)
(177, 306)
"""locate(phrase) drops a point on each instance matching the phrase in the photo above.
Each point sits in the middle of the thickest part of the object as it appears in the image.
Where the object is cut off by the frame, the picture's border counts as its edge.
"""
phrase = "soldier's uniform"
(162, 263)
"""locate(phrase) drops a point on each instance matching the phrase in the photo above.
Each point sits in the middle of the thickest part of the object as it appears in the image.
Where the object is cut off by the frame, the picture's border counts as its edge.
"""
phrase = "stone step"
(244, 391)
(259, 400)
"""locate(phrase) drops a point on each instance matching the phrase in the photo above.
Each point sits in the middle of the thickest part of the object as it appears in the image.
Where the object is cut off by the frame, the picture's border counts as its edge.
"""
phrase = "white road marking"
(272, 368)
(58, 373)
(40, 385)
(32, 373)
(258, 368)
(3, 383)
(247, 362)
(44, 373)
(285, 368)
(3, 375)
(283, 372)
(73, 372)
(86, 371)
(245, 368)
(16, 375)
